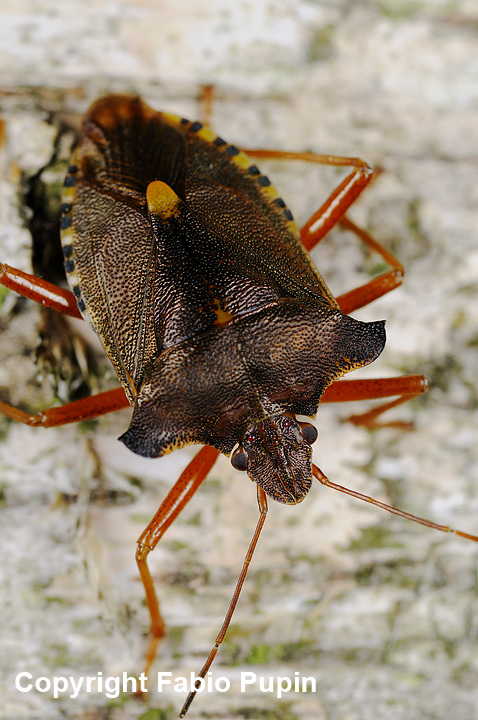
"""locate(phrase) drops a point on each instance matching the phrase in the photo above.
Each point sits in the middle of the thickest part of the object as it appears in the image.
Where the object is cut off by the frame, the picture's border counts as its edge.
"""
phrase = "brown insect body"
(190, 268)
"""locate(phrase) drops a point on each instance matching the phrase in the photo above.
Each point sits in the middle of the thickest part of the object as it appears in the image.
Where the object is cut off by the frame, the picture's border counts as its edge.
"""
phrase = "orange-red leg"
(340, 199)
(333, 212)
(62, 301)
(178, 497)
(367, 293)
(39, 290)
(381, 285)
(406, 387)
(85, 409)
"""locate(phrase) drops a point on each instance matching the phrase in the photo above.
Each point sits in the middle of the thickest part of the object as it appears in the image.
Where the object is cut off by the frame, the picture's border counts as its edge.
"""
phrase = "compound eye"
(309, 432)
(239, 459)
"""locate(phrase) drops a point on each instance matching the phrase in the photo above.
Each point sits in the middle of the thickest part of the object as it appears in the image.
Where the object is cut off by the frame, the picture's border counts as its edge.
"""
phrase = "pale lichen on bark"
(381, 612)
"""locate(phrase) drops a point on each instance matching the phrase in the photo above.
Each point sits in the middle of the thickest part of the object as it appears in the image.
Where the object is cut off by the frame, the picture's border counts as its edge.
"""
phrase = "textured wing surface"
(234, 200)
(116, 257)
(109, 246)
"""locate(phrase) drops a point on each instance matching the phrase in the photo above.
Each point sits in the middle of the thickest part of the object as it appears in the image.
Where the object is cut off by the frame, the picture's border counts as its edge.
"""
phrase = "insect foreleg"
(39, 290)
(178, 497)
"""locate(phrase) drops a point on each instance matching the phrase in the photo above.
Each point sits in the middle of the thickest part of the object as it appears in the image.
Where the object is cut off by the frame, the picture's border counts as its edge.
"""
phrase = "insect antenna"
(262, 502)
(366, 498)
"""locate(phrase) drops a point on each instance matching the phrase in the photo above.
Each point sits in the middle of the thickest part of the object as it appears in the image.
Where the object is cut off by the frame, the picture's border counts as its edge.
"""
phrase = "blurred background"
(382, 612)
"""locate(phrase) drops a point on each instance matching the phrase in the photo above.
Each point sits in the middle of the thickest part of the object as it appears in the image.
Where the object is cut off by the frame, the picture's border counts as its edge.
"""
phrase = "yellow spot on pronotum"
(162, 200)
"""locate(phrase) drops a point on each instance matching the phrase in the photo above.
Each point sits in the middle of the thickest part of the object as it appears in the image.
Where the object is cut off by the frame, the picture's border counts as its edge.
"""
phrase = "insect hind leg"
(406, 388)
(378, 286)
(84, 409)
(338, 202)
(332, 212)
(185, 487)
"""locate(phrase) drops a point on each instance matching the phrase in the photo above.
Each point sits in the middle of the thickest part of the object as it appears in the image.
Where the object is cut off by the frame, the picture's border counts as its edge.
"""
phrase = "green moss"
(377, 268)
(371, 537)
(158, 713)
(464, 674)
(321, 43)
(175, 545)
(3, 294)
(176, 635)
(118, 702)
(57, 656)
(473, 340)
(441, 372)
(259, 655)
(421, 241)
(399, 9)
(293, 652)
(285, 652)
(400, 573)
(136, 482)
(195, 520)
(282, 711)
(140, 519)
(4, 428)
(364, 575)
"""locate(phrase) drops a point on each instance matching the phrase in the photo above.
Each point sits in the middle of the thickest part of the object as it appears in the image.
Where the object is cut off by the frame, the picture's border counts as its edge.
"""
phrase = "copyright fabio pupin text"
(114, 685)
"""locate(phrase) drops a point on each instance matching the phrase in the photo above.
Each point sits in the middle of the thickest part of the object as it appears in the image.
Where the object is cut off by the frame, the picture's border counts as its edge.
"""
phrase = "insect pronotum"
(189, 266)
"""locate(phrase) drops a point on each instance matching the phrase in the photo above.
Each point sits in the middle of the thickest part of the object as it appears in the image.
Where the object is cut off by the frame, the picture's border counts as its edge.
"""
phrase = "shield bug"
(189, 266)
